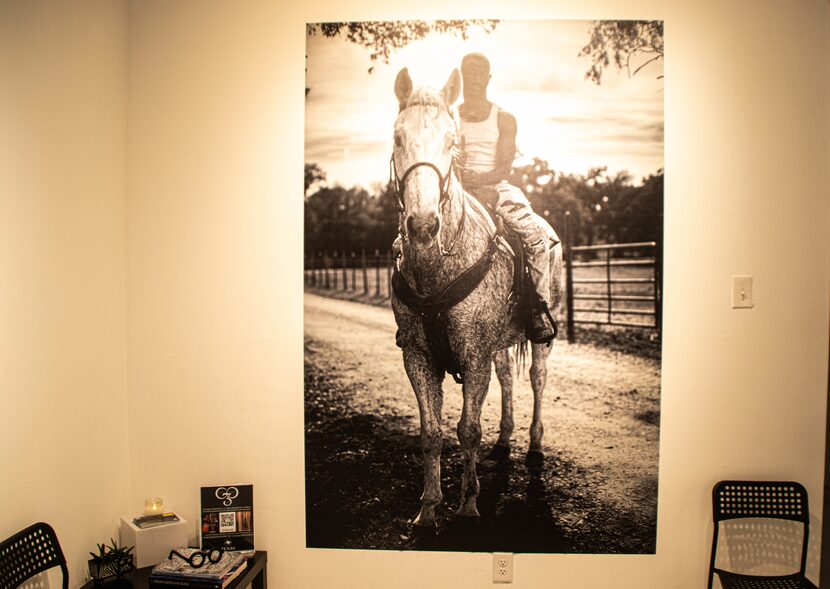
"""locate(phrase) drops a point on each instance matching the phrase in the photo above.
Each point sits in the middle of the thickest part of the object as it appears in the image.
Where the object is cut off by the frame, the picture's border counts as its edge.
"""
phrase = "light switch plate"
(742, 295)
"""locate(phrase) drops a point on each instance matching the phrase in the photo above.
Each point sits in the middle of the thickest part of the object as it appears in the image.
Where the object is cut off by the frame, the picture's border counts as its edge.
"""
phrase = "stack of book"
(152, 521)
(176, 572)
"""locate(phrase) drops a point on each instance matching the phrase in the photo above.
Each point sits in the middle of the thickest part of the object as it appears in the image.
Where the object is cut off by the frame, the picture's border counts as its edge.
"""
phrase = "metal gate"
(606, 285)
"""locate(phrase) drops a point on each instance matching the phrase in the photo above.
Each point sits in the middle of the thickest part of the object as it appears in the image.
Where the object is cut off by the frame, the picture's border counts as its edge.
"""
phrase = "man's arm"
(505, 154)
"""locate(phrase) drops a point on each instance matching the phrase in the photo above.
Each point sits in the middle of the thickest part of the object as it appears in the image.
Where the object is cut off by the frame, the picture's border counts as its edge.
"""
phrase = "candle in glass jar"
(153, 506)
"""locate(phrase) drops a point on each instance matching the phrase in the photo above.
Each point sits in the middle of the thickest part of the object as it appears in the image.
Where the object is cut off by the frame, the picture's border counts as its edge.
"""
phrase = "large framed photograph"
(483, 270)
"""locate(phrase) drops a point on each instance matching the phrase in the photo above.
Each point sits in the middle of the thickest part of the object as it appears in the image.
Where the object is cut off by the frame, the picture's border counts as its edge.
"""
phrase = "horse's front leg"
(427, 386)
(538, 379)
(476, 381)
(504, 372)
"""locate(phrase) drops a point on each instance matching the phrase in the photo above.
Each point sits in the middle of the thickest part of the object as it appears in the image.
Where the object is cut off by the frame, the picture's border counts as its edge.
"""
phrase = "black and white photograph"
(483, 238)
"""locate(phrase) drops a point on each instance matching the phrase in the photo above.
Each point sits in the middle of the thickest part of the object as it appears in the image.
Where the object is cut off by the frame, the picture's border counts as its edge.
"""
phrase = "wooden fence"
(369, 273)
(613, 284)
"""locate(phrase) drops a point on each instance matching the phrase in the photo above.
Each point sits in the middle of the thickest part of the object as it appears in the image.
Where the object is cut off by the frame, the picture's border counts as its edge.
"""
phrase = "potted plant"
(111, 561)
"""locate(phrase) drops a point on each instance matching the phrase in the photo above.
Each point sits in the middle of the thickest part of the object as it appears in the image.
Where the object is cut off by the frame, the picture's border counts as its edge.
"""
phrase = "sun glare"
(537, 75)
(430, 60)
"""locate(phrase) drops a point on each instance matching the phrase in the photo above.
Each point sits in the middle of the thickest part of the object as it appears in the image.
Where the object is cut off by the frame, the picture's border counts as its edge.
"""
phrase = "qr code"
(227, 522)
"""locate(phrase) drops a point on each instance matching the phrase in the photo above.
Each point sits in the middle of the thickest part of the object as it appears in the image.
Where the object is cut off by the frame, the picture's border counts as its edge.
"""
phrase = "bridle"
(398, 187)
(443, 180)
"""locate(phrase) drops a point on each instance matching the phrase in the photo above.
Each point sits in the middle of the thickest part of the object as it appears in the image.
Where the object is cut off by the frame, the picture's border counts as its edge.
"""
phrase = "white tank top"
(480, 142)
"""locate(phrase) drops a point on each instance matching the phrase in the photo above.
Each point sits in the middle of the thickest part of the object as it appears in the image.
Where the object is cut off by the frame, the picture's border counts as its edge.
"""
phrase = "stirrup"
(537, 321)
(551, 319)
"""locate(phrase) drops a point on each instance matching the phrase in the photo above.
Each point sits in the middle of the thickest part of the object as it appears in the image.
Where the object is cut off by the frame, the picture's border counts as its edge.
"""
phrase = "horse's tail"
(520, 356)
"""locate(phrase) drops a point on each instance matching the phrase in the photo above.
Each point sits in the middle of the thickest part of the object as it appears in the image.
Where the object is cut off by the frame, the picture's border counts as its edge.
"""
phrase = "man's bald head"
(475, 69)
(475, 60)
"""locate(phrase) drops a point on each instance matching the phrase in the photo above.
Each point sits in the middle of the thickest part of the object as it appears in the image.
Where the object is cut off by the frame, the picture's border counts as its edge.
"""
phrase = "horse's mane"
(425, 96)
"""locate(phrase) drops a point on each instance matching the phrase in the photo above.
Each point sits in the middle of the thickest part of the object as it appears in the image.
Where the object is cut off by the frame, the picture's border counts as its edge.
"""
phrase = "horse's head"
(422, 160)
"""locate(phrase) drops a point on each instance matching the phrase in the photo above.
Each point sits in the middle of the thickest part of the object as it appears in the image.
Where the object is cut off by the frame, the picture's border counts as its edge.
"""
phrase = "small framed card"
(227, 518)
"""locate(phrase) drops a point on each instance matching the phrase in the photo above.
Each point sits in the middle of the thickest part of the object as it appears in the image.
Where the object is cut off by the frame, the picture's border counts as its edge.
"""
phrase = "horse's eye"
(398, 140)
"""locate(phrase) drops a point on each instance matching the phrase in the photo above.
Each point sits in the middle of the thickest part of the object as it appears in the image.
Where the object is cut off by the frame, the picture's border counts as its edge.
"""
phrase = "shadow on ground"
(364, 477)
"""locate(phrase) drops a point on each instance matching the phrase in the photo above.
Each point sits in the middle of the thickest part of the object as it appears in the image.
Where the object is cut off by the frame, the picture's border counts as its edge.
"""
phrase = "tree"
(552, 195)
(350, 219)
(623, 44)
(382, 37)
(640, 217)
(597, 207)
(314, 175)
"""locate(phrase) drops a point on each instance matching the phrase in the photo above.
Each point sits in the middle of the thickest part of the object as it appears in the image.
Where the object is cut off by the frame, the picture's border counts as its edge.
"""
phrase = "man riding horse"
(488, 144)
(488, 147)
(455, 306)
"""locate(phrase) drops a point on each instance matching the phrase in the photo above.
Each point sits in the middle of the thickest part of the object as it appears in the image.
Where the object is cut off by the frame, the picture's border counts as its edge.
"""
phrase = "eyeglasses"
(197, 558)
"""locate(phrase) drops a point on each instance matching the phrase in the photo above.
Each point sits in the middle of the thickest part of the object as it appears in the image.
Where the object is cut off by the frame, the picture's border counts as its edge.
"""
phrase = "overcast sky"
(536, 74)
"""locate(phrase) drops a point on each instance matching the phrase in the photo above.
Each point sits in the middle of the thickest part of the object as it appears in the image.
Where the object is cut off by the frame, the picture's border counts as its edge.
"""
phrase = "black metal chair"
(766, 539)
(28, 553)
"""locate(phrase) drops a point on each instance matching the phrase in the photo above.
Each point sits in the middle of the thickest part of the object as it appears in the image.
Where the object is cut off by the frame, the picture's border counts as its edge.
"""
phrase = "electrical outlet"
(502, 568)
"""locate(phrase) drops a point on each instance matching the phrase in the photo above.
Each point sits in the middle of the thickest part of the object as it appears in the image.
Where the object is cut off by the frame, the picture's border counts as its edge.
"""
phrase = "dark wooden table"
(255, 576)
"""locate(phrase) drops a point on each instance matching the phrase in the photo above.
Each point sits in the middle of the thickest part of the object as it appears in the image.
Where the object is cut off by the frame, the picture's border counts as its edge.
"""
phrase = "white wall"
(63, 400)
(213, 265)
(214, 310)
(215, 258)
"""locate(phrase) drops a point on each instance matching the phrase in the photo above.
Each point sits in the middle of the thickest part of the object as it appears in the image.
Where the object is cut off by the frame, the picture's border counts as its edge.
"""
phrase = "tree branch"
(655, 58)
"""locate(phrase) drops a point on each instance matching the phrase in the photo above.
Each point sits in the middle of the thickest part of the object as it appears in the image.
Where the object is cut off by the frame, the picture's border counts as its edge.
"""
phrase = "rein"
(433, 308)
(446, 197)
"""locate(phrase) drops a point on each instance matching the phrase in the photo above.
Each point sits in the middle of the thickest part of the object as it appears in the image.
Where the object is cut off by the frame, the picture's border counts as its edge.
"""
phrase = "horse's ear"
(403, 86)
(452, 88)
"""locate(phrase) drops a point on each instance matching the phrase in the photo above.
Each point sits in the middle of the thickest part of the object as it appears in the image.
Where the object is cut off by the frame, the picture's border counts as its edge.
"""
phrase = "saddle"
(514, 247)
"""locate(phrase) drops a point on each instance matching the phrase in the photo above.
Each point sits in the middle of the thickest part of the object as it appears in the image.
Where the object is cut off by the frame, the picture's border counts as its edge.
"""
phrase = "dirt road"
(596, 493)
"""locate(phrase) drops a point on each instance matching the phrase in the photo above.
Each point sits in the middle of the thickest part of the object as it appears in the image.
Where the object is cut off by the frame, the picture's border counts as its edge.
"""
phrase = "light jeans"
(536, 234)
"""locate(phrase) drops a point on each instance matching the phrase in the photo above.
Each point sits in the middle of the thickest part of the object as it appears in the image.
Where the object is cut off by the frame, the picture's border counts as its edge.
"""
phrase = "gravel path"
(597, 492)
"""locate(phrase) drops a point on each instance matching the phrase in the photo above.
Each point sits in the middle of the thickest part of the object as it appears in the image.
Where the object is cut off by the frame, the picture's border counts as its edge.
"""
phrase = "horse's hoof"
(535, 458)
(424, 521)
(499, 453)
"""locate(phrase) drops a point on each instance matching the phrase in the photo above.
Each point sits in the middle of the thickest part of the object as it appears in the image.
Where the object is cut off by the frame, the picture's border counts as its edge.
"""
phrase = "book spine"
(168, 582)
(190, 577)
(196, 576)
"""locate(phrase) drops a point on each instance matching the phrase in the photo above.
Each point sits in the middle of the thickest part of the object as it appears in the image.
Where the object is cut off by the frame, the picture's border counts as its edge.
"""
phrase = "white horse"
(443, 246)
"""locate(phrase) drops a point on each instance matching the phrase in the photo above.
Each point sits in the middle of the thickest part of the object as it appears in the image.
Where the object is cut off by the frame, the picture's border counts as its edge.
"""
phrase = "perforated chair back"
(778, 500)
(28, 553)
